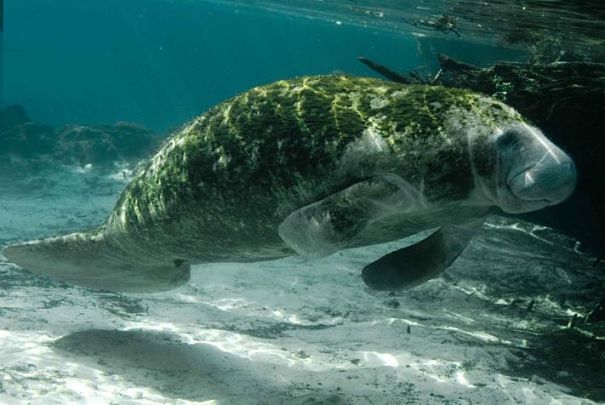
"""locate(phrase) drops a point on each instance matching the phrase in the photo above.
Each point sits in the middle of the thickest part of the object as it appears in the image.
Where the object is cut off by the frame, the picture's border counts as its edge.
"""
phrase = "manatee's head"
(523, 171)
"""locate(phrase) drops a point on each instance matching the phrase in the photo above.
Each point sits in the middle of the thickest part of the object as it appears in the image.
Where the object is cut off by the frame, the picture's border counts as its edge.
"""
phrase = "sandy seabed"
(493, 329)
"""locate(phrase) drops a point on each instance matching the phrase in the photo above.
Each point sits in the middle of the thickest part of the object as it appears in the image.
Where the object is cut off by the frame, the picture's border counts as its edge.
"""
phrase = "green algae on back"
(234, 173)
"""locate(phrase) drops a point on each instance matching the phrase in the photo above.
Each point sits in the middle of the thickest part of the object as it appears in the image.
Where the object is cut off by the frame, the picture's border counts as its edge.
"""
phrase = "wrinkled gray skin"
(532, 172)
(312, 166)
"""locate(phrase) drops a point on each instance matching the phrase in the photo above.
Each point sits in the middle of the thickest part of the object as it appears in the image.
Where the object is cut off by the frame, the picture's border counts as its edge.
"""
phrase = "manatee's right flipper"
(417, 263)
(89, 260)
(326, 226)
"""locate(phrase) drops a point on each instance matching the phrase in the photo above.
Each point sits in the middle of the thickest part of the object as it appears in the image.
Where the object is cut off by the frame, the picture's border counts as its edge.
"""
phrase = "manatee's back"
(219, 189)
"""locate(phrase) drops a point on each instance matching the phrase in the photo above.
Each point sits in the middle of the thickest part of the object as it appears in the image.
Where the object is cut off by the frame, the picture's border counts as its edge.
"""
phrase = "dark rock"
(28, 140)
(12, 116)
(76, 144)
(26, 144)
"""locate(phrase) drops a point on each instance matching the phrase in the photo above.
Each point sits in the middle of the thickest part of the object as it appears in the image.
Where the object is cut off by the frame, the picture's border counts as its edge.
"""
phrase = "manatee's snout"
(551, 180)
(534, 172)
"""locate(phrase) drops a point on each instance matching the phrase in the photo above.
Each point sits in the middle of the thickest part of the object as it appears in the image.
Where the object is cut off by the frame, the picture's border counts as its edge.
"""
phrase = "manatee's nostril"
(528, 179)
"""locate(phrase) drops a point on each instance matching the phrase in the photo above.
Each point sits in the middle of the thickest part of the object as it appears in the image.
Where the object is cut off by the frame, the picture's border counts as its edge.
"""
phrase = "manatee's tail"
(89, 260)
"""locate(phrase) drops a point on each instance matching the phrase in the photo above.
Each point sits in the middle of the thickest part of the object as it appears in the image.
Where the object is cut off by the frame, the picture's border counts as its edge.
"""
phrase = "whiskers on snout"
(536, 172)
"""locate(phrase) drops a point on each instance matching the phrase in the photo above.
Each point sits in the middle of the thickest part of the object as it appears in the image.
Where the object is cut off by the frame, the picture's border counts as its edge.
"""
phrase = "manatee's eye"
(508, 139)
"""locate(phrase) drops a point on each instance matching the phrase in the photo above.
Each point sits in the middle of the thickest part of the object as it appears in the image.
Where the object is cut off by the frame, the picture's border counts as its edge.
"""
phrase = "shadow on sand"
(192, 371)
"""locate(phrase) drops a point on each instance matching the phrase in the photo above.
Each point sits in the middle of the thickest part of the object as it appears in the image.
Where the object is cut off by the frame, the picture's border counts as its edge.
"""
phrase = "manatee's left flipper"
(417, 263)
(324, 227)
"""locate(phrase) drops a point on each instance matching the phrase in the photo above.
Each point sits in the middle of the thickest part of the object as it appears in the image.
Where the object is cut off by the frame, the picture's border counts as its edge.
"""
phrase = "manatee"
(311, 166)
